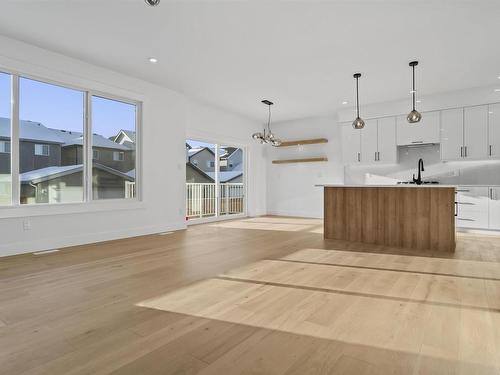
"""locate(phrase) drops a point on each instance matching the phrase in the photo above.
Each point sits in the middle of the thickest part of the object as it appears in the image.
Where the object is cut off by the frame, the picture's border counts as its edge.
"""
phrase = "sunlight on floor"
(276, 224)
(444, 308)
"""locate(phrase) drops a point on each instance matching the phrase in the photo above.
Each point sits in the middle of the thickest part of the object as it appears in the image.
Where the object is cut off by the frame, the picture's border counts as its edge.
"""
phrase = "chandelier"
(268, 137)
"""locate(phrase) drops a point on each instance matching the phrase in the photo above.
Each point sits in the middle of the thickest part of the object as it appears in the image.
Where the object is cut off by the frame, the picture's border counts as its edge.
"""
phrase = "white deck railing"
(201, 199)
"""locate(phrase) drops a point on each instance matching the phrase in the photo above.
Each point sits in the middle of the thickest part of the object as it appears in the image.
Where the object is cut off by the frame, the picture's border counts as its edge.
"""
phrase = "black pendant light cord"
(413, 91)
(357, 98)
(269, 120)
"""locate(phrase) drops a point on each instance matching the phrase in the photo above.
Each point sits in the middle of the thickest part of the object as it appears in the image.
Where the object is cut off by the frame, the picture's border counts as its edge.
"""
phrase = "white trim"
(87, 149)
(14, 143)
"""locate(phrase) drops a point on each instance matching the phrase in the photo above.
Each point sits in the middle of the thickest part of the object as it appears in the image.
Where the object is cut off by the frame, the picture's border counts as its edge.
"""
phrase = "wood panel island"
(408, 216)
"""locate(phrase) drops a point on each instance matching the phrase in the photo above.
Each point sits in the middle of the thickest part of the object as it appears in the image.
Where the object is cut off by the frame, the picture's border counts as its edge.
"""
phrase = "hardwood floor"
(253, 296)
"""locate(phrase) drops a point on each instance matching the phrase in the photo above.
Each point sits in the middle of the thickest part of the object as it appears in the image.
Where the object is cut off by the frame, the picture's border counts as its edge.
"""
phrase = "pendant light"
(358, 123)
(153, 3)
(414, 116)
(268, 137)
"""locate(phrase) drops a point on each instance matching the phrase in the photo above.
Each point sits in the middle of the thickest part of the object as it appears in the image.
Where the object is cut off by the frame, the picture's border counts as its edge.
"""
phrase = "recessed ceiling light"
(344, 102)
(153, 60)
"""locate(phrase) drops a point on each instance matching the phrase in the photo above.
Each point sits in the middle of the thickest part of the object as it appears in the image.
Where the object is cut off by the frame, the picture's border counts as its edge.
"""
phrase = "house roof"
(29, 130)
(35, 131)
(49, 173)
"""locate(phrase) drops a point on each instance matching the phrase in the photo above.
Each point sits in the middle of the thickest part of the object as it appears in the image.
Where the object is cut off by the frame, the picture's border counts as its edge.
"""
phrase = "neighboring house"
(126, 138)
(200, 165)
(51, 162)
(203, 158)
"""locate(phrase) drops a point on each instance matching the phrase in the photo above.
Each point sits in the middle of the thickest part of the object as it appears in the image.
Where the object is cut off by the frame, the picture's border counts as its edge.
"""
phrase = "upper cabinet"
(425, 131)
(494, 130)
(476, 132)
(464, 133)
(374, 144)
(386, 140)
(351, 144)
(452, 133)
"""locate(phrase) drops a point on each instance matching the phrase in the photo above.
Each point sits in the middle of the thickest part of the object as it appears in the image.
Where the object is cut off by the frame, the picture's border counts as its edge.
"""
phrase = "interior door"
(494, 130)
(476, 132)
(369, 142)
(386, 135)
(351, 144)
(452, 134)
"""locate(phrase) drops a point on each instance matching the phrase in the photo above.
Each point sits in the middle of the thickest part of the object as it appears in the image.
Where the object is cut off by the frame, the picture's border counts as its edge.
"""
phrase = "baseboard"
(83, 239)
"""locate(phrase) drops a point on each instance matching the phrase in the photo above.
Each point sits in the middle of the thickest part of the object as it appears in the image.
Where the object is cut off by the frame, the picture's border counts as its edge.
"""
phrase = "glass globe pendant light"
(358, 122)
(153, 3)
(268, 137)
(414, 116)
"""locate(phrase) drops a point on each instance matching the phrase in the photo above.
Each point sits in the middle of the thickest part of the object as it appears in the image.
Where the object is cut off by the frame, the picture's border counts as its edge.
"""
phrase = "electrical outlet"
(26, 224)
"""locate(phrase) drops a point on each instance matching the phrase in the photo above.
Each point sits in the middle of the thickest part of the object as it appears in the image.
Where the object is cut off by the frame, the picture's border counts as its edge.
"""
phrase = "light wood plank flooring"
(253, 296)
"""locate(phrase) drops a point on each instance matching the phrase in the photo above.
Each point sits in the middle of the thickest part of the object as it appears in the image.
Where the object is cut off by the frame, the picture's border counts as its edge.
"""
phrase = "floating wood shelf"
(303, 142)
(306, 160)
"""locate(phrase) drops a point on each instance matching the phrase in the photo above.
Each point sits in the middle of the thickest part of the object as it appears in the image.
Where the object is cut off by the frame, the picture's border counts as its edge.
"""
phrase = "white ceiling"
(300, 54)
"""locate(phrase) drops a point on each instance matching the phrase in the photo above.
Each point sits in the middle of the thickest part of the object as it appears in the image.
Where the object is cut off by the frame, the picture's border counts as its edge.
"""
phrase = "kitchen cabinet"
(374, 144)
(351, 144)
(494, 130)
(369, 142)
(464, 133)
(494, 208)
(476, 132)
(452, 133)
(472, 206)
(386, 141)
(422, 132)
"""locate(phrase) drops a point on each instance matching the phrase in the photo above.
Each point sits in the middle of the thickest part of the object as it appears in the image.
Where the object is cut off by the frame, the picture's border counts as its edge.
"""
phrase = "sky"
(62, 108)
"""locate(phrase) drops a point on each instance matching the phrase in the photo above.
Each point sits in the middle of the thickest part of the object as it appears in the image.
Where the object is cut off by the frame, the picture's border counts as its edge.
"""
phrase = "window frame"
(42, 146)
(16, 209)
(121, 156)
(96, 154)
(4, 148)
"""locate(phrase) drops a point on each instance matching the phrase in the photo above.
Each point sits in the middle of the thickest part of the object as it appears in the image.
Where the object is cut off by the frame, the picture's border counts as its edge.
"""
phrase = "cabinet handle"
(359, 156)
(460, 218)
(462, 190)
(461, 151)
(378, 155)
(490, 190)
(490, 151)
(465, 151)
(417, 142)
(375, 157)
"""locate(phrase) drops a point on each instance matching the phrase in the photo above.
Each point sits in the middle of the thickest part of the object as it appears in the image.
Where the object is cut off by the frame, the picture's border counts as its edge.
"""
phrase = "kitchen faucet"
(418, 180)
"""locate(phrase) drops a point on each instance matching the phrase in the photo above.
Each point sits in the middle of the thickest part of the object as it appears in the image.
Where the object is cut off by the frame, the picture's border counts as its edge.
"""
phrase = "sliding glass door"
(231, 189)
(214, 180)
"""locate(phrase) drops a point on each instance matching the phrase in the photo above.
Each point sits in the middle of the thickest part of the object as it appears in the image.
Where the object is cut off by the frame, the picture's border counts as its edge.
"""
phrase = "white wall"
(166, 117)
(291, 189)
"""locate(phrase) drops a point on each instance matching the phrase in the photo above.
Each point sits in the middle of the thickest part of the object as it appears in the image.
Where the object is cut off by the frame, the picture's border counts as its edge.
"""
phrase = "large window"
(68, 145)
(114, 128)
(5, 133)
(50, 143)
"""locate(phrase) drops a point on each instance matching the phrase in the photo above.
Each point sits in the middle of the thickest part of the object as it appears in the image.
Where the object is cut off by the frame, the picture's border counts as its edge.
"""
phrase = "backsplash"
(484, 172)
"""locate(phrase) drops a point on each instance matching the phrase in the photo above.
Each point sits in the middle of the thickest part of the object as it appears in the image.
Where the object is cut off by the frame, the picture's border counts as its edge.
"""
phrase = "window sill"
(69, 208)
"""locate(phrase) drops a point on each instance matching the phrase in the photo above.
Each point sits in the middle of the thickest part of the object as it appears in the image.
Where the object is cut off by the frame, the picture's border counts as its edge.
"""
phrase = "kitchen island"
(408, 216)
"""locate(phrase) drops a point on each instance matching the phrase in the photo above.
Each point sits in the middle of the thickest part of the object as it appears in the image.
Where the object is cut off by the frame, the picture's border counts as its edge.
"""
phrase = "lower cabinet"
(478, 207)
(494, 208)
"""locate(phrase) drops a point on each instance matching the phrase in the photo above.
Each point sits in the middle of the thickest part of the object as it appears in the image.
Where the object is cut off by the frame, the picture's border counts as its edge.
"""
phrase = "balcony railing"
(201, 199)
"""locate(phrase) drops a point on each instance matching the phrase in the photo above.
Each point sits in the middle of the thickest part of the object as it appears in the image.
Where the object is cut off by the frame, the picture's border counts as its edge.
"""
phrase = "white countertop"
(391, 186)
